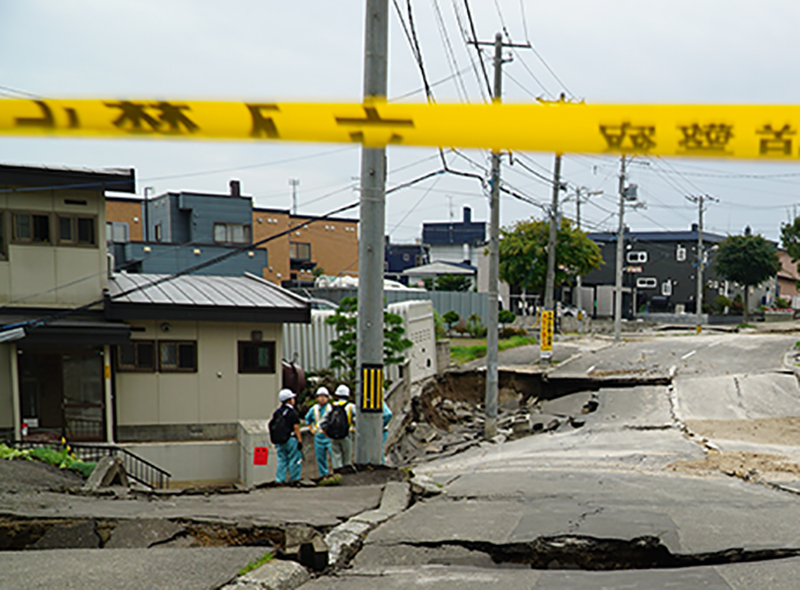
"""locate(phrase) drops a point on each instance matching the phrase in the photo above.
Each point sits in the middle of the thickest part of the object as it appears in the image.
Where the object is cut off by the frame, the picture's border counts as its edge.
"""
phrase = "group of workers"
(330, 438)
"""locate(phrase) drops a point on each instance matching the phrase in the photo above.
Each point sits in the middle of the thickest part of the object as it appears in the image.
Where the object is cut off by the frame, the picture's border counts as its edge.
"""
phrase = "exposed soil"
(769, 431)
(19, 476)
(745, 465)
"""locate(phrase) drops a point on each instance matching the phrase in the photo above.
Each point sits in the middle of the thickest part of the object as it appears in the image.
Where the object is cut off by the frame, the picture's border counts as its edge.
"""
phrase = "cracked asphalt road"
(614, 479)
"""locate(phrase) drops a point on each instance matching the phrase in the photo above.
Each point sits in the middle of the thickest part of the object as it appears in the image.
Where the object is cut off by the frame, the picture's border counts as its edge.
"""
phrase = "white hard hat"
(343, 391)
(285, 395)
(323, 391)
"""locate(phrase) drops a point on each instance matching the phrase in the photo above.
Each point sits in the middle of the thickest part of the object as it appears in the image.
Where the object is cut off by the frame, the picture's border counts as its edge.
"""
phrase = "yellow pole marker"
(546, 335)
(717, 131)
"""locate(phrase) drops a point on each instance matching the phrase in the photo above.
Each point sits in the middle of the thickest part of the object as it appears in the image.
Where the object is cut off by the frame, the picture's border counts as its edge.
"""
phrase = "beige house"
(163, 366)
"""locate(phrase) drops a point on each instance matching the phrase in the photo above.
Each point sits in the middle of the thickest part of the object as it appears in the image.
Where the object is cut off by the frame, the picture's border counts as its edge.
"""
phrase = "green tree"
(790, 240)
(451, 282)
(506, 316)
(450, 318)
(748, 260)
(523, 254)
(344, 346)
(448, 282)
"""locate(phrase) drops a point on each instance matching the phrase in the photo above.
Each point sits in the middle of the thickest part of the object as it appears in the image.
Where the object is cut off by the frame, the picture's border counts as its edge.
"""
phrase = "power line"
(452, 61)
(478, 50)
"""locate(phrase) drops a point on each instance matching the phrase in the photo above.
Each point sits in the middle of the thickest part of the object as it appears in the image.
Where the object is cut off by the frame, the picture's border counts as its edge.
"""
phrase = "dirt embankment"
(19, 476)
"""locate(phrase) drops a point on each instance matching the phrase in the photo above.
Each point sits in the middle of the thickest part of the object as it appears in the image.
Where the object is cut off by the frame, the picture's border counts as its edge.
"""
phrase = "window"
(76, 230)
(31, 228)
(139, 355)
(299, 251)
(232, 233)
(646, 283)
(177, 356)
(256, 357)
(637, 257)
(680, 253)
(158, 232)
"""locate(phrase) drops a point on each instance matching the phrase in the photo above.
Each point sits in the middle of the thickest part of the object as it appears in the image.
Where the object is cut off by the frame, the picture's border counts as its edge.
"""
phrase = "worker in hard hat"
(314, 417)
(284, 432)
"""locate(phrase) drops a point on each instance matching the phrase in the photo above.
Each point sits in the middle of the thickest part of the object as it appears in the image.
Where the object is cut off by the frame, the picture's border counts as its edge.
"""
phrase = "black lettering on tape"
(45, 122)
(263, 125)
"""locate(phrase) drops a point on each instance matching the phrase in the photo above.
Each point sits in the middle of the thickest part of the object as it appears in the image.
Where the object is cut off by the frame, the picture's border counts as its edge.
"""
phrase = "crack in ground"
(594, 554)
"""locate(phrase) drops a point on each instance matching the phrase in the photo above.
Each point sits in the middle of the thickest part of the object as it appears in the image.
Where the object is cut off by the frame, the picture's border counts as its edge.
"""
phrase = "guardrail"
(137, 468)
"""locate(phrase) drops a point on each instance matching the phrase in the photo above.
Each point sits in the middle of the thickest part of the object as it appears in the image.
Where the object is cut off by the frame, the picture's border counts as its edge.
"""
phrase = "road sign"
(716, 131)
(546, 335)
(260, 455)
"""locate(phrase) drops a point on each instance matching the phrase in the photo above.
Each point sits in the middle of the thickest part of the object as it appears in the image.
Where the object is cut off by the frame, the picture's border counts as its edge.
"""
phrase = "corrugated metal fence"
(309, 344)
(465, 304)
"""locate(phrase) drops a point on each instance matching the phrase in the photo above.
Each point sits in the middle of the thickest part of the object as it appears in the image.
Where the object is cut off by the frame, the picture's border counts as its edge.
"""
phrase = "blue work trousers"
(290, 460)
(322, 446)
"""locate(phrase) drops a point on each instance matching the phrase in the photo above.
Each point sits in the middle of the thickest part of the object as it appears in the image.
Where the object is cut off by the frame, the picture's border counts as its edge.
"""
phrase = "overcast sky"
(709, 51)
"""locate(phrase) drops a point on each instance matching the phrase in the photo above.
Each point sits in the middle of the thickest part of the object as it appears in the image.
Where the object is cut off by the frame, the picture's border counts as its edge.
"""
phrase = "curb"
(274, 575)
(345, 540)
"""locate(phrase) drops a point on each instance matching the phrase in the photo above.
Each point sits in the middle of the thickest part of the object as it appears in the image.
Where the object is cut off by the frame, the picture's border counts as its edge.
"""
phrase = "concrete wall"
(193, 462)
(38, 274)
(215, 394)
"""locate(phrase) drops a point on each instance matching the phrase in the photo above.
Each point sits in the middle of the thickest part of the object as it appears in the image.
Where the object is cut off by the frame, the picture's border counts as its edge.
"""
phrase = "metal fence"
(463, 303)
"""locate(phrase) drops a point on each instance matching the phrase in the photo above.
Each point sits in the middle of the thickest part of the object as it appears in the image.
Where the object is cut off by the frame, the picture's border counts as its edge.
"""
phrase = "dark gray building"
(660, 272)
(183, 230)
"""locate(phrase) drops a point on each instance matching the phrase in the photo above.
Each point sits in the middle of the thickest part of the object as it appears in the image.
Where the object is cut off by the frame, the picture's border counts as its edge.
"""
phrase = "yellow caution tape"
(730, 131)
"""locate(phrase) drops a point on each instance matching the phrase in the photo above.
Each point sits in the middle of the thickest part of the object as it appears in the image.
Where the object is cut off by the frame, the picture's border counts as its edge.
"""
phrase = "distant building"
(175, 231)
(659, 274)
(400, 257)
(788, 279)
(455, 241)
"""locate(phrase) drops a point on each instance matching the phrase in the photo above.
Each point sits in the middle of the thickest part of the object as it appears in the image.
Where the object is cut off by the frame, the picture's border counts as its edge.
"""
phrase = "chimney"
(467, 215)
(236, 188)
(694, 227)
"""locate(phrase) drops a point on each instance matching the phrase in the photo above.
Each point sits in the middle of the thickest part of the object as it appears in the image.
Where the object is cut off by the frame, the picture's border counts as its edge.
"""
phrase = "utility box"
(418, 323)
(257, 456)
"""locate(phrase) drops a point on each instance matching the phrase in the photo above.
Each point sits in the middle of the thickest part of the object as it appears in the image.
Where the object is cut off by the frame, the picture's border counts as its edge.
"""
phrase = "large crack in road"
(594, 554)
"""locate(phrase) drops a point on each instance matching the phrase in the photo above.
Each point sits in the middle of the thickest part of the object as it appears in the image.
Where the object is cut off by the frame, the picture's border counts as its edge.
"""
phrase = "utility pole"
(372, 223)
(579, 192)
(626, 193)
(700, 254)
(490, 402)
(492, 380)
(620, 248)
(550, 276)
(294, 183)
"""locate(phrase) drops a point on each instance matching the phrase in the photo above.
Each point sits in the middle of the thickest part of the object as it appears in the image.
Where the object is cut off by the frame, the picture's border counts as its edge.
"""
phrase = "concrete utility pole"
(550, 277)
(294, 183)
(620, 248)
(579, 192)
(700, 254)
(372, 222)
(490, 424)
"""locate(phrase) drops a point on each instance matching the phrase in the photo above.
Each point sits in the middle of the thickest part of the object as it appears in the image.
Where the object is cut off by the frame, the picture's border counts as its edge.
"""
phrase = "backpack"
(338, 426)
(279, 431)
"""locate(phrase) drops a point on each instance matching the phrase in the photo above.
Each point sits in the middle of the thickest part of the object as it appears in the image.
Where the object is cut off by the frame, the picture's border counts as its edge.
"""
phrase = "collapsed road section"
(447, 416)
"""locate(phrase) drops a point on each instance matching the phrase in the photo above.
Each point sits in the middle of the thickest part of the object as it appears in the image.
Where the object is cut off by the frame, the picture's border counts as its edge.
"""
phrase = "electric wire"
(452, 61)
(477, 47)
(465, 38)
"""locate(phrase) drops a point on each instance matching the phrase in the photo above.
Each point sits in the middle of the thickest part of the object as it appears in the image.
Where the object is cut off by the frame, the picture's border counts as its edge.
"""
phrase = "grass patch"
(331, 480)
(256, 563)
(743, 325)
(465, 354)
(61, 459)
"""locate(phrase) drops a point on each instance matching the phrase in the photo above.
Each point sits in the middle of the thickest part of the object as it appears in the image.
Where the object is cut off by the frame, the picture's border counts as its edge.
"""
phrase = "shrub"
(781, 303)
(511, 332)
(475, 326)
(720, 303)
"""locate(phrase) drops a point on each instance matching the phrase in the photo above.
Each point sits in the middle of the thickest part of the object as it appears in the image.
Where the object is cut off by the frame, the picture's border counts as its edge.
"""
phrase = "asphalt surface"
(611, 480)
(610, 486)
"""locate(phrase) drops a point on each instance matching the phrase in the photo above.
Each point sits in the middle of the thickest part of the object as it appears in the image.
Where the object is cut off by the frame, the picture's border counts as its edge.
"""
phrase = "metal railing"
(137, 468)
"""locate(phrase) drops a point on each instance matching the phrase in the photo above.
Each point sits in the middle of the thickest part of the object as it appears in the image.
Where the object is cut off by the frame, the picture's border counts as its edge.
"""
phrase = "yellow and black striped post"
(371, 388)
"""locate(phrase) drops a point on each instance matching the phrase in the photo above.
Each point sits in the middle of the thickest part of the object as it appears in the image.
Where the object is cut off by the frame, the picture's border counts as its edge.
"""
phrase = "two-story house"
(659, 274)
(160, 364)
(179, 230)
